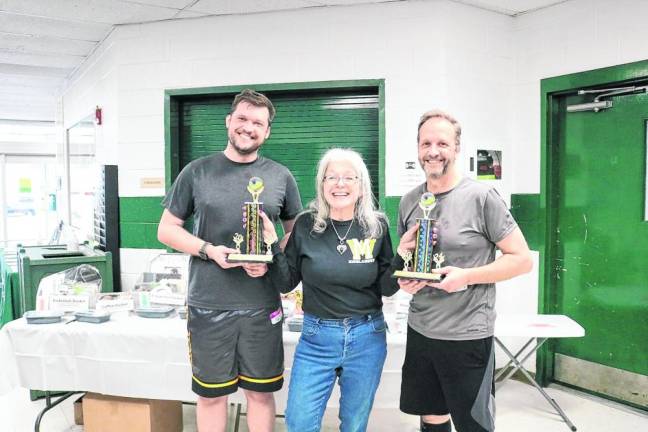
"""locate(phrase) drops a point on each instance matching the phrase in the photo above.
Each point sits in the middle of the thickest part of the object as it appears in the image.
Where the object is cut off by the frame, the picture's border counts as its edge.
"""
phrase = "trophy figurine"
(419, 265)
(251, 246)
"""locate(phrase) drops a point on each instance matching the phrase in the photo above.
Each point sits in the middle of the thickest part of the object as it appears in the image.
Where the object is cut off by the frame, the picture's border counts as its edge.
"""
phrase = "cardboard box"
(103, 413)
(78, 411)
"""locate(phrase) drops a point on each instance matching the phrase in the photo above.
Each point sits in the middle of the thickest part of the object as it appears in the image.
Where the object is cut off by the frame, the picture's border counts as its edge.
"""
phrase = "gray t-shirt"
(471, 219)
(213, 190)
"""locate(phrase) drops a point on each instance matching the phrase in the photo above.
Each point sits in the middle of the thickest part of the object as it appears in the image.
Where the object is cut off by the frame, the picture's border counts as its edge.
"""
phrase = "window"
(28, 182)
(29, 215)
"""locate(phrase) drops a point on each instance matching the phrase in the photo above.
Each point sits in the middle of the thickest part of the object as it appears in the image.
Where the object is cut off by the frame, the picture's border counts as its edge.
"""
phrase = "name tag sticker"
(276, 316)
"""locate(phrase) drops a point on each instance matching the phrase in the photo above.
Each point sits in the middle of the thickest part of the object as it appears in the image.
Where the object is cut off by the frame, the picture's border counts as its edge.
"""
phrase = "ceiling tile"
(45, 45)
(31, 99)
(348, 2)
(94, 11)
(26, 89)
(34, 71)
(174, 4)
(54, 60)
(23, 24)
(225, 7)
(512, 7)
(27, 111)
(189, 14)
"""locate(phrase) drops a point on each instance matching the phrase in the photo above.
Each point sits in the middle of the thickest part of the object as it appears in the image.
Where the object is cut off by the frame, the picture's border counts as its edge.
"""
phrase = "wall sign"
(489, 164)
(151, 182)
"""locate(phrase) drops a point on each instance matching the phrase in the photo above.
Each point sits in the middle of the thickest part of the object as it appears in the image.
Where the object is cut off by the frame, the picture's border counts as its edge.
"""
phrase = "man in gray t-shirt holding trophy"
(234, 317)
(449, 361)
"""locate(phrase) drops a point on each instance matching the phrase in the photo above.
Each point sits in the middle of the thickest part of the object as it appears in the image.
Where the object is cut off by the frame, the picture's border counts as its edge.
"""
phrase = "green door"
(307, 123)
(600, 270)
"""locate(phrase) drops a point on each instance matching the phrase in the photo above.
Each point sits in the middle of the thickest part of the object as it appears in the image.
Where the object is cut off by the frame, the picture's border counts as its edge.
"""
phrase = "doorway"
(311, 118)
(596, 265)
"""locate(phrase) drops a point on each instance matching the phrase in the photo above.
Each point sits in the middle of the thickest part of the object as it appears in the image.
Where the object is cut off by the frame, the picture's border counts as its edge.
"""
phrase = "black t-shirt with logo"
(336, 285)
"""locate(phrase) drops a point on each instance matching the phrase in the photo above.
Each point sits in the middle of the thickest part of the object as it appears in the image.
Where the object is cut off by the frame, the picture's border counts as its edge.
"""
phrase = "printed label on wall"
(151, 182)
(410, 175)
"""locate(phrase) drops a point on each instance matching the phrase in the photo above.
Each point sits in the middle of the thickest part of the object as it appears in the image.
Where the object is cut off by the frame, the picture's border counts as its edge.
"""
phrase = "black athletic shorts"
(455, 377)
(229, 349)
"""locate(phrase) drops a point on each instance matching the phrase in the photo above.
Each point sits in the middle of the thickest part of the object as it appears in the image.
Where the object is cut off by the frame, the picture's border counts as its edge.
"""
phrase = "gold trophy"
(419, 265)
(255, 250)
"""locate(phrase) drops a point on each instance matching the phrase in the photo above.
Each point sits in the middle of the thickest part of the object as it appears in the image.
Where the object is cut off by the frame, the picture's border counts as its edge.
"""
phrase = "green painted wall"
(527, 212)
(139, 217)
(138, 222)
(390, 207)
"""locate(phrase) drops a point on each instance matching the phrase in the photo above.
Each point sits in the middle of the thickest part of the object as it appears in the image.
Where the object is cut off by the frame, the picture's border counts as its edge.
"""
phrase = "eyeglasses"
(334, 180)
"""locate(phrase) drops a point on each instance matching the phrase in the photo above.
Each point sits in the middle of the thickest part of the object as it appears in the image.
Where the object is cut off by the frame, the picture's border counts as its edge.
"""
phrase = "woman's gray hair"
(365, 212)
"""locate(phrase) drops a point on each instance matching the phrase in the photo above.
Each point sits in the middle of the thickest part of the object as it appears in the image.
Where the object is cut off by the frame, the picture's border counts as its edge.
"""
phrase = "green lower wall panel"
(140, 236)
(138, 222)
(139, 217)
(140, 209)
(524, 207)
(526, 210)
(390, 207)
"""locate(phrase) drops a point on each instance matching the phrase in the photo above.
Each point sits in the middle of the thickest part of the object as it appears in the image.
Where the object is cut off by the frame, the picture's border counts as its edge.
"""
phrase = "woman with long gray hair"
(341, 252)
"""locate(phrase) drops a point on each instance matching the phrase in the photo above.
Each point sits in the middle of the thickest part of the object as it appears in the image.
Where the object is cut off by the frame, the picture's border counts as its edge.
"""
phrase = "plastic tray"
(155, 312)
(43, 317)
(94, 317)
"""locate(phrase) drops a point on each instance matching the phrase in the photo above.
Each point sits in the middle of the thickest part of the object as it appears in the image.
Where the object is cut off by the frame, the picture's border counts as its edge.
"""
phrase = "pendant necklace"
(341, 247)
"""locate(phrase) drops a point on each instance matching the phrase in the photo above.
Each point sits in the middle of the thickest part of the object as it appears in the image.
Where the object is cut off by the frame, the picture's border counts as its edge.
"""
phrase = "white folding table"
(148, 358)
(536, 328)
(135, 357)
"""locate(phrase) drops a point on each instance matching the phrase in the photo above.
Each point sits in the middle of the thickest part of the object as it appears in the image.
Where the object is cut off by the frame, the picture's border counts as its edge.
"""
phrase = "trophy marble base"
(434, 277)
(249, 258)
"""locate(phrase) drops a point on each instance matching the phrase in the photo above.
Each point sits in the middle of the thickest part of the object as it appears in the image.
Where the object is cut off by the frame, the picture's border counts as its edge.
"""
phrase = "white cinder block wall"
(431, 54)
(482, 66)
(97, 84)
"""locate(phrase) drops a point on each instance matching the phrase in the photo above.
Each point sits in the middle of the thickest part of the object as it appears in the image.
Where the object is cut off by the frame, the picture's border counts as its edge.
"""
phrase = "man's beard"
(437, 175)
(243, 151)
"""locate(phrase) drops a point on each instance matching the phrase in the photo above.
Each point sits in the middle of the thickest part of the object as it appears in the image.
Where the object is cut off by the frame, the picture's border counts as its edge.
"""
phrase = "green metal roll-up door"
(306, 125)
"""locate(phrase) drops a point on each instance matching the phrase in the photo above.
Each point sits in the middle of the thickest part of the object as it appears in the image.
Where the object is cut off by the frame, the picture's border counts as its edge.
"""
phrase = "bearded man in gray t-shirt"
(449, 361)
(234, 317)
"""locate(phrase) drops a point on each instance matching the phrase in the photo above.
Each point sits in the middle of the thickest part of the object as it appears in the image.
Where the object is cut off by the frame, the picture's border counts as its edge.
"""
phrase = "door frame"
(552, 109)
(173, 97)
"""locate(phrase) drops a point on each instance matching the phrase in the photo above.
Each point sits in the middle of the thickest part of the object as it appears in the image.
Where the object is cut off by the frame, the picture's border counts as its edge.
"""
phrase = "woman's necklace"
(341, 247)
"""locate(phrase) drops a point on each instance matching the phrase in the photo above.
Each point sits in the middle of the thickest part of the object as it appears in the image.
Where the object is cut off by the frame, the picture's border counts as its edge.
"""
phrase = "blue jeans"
(354, 348)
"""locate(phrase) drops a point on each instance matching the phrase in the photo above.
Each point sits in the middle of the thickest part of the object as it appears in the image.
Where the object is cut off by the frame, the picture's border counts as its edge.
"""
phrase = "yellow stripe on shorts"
(226, 384)
(261, 381)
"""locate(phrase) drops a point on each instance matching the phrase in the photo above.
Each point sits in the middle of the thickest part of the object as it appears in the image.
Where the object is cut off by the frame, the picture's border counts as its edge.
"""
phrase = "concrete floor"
(519, 408)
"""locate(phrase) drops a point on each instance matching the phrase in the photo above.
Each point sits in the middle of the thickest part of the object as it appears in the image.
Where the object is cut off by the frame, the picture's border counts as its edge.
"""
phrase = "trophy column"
(255, 249)
(420, 264)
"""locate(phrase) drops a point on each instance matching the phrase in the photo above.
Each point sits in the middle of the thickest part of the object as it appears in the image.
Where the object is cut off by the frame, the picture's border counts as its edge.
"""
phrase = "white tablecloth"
(134, 357)
(148, 358)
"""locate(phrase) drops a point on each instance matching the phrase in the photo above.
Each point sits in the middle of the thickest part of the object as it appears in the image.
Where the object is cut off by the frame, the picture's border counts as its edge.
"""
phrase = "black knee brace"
(430, 427)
